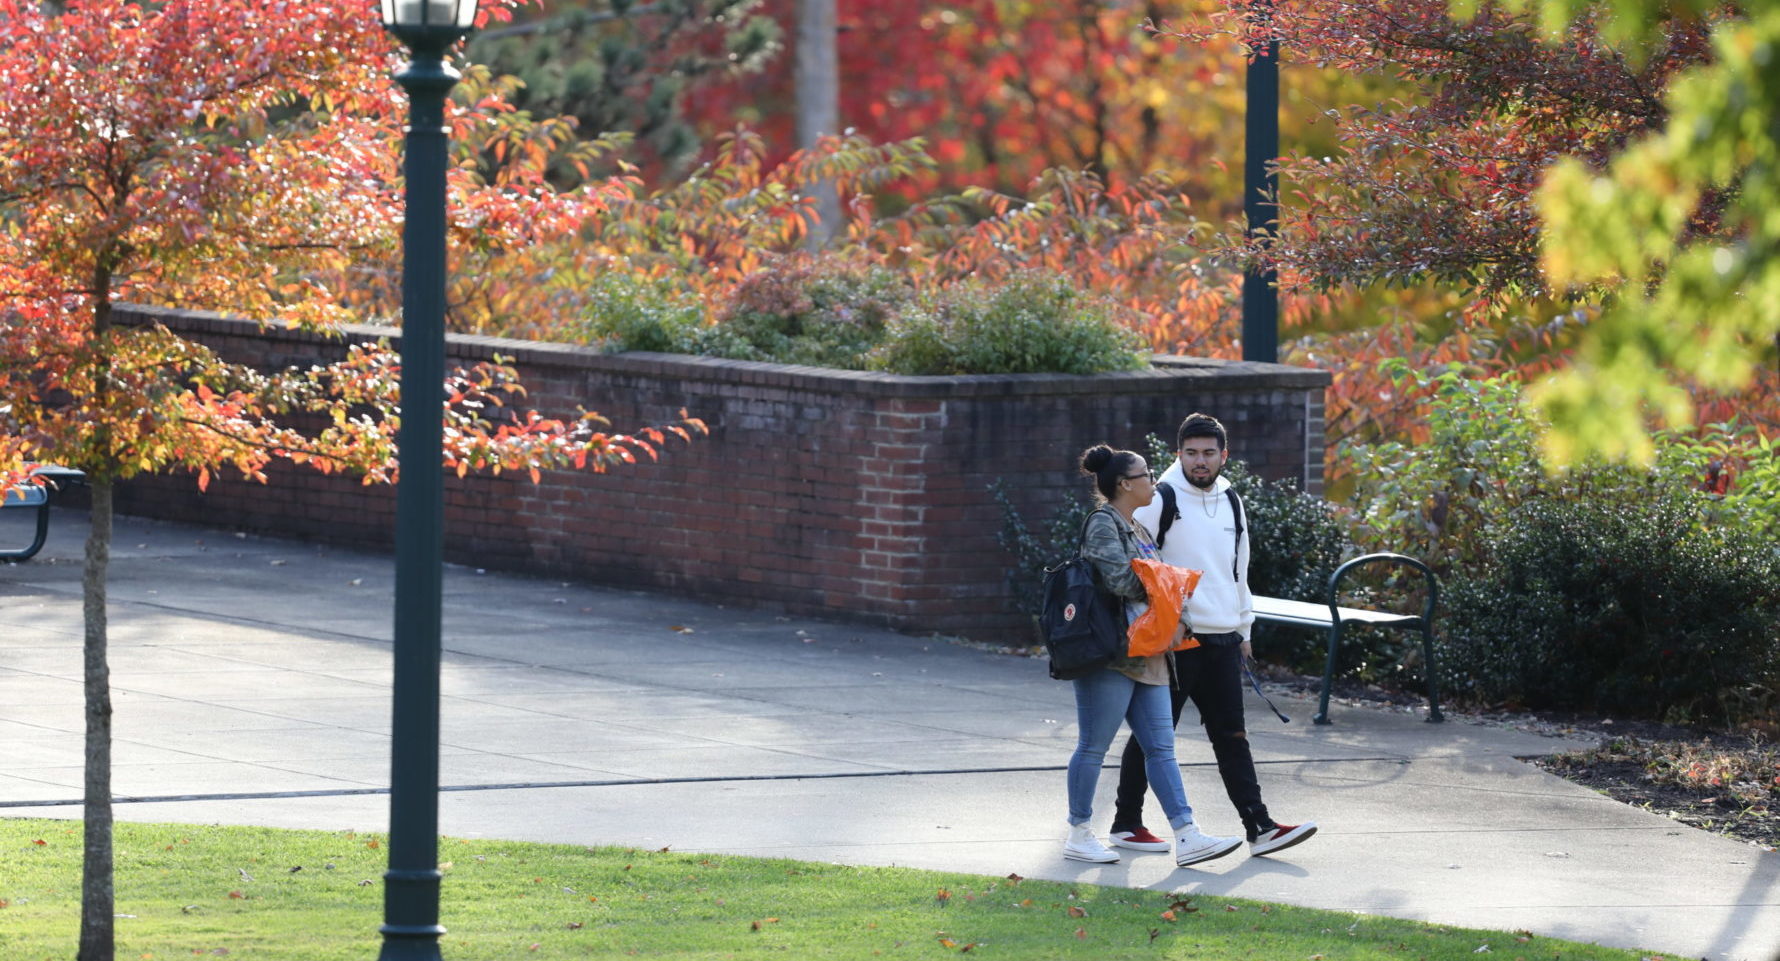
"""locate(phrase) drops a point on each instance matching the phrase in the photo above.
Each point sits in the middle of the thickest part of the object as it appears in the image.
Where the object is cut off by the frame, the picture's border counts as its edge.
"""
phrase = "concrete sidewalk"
(251, 683)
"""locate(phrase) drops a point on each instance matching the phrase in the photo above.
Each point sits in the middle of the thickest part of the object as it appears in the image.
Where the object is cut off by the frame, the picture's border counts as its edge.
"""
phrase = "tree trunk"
(818, 102)
(97, 892)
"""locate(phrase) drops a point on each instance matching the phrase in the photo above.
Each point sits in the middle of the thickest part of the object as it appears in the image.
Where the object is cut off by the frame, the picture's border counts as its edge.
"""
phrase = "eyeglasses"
(1149, 474)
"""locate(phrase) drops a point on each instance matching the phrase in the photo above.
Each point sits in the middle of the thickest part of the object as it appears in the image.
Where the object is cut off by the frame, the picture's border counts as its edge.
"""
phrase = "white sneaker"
(1084, 846)
(1192, 845)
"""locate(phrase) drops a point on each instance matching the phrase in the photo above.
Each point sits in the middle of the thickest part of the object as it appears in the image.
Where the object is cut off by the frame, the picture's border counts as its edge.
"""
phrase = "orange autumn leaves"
(205, 190)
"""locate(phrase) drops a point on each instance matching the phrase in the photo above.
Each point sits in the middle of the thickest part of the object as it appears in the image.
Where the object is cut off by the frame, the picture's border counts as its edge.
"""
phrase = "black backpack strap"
(1170, 512)
(1236, 510)
(1082, 538)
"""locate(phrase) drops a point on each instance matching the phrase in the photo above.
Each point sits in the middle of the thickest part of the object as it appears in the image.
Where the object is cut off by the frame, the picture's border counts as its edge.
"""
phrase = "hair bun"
(1095, 458)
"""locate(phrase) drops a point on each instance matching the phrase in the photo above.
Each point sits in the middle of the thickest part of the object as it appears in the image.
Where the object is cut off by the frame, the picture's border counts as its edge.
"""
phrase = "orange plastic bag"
(1168, 588)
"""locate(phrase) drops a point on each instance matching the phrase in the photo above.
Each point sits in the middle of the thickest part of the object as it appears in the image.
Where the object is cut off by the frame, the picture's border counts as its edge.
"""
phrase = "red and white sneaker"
(1281, 837)
(1138, 840)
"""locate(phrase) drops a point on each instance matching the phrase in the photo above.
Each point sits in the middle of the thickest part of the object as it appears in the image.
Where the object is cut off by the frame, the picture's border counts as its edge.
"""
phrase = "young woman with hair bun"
(1132, 689)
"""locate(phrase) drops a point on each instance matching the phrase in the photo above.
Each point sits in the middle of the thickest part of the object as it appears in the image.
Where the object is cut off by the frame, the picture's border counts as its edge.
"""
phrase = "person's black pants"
(1211, 675)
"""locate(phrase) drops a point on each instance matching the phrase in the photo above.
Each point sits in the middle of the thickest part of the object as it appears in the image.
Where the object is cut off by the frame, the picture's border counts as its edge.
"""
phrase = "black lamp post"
(411, 927)
(1260, 183)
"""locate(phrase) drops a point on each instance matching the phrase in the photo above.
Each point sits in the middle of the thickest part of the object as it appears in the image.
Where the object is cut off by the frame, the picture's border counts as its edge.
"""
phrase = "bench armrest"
(1384, 558)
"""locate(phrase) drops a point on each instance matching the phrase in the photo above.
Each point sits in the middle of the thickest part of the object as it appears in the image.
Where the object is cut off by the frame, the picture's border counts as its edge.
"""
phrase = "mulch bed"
(1681, 779)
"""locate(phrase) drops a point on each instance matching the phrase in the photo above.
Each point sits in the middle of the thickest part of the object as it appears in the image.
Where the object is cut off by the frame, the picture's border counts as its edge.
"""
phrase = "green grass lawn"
(188, 891)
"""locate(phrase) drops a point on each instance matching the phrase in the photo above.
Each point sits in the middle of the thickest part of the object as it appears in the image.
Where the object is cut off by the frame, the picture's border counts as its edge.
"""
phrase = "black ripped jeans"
(1210, 674)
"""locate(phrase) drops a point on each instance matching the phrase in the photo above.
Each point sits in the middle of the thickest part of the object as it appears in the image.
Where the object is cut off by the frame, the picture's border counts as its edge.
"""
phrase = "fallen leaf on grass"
(237, 896)
(40, 843)
(372, 844)
(1015, 878)
(1081, 934)
(1168, 916)
(942, 897)
(575, 925)
(1183, 904)
(1231, 907)
(1076, 912)
(947, 943)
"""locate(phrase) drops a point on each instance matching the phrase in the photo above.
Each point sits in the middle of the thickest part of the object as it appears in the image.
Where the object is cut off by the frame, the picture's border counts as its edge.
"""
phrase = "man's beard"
(1209, 480)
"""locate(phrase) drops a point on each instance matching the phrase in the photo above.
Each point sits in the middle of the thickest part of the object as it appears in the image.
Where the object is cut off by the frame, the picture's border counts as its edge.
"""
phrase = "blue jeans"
(1102, 700)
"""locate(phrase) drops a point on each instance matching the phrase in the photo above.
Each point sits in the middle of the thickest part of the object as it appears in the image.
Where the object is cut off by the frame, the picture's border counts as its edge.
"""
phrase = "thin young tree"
(215, 154)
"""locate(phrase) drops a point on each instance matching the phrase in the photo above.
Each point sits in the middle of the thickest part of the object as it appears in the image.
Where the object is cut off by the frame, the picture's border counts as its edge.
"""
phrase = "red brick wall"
(818, 491)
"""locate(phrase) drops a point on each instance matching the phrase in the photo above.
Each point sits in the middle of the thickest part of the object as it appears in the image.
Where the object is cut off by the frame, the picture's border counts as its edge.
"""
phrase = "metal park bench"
(1332, 617)
(37, 497)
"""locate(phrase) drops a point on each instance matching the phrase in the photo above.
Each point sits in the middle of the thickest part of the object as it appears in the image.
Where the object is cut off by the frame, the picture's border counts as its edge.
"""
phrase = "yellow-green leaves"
(1684, 229)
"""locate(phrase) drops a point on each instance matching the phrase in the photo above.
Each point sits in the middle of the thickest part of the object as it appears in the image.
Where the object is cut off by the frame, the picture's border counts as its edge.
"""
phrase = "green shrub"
(1431, 499)
(625, 312)
(837, 312)
(1628, 606)
(1735, 464)
(1035, 322)
(1608, 587)
(824, 313)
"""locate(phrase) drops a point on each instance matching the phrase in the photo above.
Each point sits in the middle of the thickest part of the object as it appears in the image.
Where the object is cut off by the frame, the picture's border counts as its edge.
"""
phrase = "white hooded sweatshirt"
(1203, 539)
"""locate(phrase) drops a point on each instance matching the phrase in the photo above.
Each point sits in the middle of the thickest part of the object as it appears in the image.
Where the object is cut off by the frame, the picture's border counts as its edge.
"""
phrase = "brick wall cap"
(1221, 374)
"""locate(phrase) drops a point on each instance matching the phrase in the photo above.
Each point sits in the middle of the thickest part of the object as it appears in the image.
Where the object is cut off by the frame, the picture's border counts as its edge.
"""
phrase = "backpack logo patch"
(1069, 613)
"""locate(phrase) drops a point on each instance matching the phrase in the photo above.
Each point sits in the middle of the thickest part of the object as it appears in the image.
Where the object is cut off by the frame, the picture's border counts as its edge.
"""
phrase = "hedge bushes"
(831, 312)
(1032, 323)
(1628, 607)
(1650, 592)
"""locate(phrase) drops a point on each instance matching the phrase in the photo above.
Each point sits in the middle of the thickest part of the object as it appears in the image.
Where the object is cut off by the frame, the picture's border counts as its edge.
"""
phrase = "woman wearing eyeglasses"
(1133, 689)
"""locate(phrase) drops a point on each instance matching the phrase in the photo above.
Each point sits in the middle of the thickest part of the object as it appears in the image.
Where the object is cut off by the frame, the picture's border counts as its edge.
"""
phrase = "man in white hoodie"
(1205, 531)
